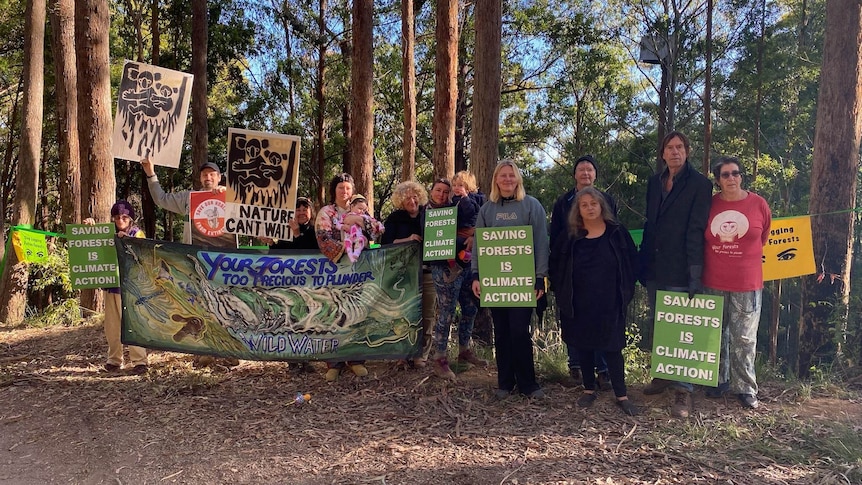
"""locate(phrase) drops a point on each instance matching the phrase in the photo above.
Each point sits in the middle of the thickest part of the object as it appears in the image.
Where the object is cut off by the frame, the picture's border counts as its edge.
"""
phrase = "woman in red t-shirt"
(737, 230)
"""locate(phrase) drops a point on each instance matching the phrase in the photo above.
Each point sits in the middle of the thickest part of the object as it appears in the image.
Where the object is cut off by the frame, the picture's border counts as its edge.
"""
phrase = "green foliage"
(53, 274)
(66, 313)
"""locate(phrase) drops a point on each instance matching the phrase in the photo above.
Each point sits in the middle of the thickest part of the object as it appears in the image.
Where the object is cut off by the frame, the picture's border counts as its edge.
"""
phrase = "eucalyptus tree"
(15, 272)
(833, 184)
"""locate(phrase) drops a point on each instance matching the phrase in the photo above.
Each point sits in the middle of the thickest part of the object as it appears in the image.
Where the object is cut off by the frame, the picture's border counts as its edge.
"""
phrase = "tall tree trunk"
(8, 177)
(408, 70)
(320, 96)
(63, 41)
(707, 91)
(833, 184)
(362, 100)
(288, 56)
(95, 125)
(461, 109)
(487, 84)
(15, 273)
(445, 88)
(200, 126)
(148, 205)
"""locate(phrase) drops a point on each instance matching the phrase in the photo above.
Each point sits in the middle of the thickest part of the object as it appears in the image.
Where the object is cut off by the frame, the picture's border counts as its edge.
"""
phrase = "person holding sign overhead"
(452, 283)
(510, 206)
(736, 232)
(123, 215)
(405, 225)
(594, 272)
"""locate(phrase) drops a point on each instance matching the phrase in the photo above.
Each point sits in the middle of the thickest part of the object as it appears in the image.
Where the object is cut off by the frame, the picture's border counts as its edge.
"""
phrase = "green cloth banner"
(92, 256)
(280, 305)
(687, 340)
(441, 227)
(507, 266)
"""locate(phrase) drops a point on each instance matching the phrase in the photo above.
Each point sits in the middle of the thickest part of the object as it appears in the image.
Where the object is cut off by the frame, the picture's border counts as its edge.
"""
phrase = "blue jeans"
(651, 289)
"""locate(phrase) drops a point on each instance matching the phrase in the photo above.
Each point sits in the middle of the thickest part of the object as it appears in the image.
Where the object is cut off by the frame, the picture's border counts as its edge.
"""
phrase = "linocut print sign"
(281, 305)
(152, 109)
(262, 173)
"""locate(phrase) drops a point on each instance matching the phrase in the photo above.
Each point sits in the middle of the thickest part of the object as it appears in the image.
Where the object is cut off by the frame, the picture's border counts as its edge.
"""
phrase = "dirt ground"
(63, 420)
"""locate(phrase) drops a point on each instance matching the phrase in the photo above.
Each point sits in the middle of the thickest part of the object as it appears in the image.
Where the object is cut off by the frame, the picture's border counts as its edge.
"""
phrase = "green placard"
(687, 340)
(507, 268)
(30, 246)
(92, 256)
(441, 227)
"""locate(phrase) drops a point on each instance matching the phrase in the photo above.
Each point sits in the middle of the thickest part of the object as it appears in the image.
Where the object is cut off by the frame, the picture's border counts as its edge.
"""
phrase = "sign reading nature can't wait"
(507, 269)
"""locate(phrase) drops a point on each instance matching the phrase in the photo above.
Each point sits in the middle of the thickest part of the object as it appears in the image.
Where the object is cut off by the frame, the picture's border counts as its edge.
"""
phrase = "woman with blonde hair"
(510, 206)
(404, 225)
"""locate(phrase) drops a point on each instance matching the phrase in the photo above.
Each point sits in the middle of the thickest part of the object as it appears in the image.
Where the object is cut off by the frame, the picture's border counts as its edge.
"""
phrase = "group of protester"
(691, 238)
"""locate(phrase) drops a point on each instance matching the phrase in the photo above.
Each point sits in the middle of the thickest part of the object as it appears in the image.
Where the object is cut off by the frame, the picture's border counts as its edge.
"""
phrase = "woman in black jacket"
(594, 271)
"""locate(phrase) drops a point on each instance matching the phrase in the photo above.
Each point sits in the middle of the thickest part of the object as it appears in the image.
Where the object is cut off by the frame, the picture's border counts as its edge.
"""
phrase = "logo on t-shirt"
(729, 226)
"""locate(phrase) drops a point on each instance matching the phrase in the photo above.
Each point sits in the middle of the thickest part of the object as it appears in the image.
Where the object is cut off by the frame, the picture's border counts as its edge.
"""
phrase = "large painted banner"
(281, 305)
(262, 173)
(152, 108)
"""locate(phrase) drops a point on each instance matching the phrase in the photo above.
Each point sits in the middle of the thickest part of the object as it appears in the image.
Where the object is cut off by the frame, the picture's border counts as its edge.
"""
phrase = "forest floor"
(64, 420)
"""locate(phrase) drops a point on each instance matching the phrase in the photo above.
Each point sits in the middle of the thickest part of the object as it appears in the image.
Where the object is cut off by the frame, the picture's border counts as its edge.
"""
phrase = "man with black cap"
(584, 173)
(178, 202)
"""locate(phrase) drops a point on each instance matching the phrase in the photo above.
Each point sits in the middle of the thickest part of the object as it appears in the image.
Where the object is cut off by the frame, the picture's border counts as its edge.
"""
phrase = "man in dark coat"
(678, 201)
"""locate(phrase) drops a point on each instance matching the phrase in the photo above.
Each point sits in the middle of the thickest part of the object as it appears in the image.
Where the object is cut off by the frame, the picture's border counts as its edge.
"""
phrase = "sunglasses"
(727, 175)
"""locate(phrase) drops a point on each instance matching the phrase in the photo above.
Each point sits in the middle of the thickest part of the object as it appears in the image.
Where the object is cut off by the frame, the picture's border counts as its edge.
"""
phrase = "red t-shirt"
(735, 235)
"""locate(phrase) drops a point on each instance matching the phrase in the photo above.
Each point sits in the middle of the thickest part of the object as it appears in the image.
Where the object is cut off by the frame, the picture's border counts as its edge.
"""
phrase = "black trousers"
(616, 370)
(514, 345)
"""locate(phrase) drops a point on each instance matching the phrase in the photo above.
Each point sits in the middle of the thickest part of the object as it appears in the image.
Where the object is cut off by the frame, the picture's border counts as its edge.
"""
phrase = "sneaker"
(111, 367)
(587, 399)
(717, 392)
(138, 370)
(442, 370)
(681, 407)
(332, 374)
(470, 357)
(748, 401)
(657, 386)
(537, 394)
(627, 407)
(359, 370)
(501, 394)
(603, 380)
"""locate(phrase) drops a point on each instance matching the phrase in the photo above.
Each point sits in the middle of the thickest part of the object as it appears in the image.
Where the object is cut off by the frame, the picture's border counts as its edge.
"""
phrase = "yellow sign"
(790, 249)
(30, 246)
